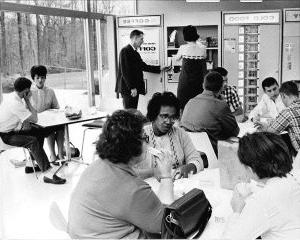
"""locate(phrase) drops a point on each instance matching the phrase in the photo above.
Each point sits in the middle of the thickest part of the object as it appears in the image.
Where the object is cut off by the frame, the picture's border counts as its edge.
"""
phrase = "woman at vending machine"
(193, 68)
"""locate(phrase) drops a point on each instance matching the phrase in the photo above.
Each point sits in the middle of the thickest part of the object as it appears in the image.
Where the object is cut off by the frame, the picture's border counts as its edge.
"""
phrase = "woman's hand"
(237, 201)
(187, 169)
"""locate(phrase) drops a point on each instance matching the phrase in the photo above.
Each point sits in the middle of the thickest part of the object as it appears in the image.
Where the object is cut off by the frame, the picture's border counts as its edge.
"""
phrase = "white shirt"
(191, 50)
(267, 107)
(272, 213)
(13, 112)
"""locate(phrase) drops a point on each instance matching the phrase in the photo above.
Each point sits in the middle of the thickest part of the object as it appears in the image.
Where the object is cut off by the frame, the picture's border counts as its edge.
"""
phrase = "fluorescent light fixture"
(203, 1)
(251, 1)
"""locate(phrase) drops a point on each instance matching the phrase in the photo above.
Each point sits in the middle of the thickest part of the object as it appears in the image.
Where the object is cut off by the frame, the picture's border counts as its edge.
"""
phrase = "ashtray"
(74, 116)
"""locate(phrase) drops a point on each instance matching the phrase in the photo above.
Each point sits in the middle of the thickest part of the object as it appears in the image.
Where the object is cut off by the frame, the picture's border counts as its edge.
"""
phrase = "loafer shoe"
(54, 180)
(30, 169)
(58, 162)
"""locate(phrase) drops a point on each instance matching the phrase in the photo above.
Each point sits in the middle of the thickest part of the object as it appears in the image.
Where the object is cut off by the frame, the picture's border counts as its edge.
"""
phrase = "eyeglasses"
(145, 138)
(165, 117)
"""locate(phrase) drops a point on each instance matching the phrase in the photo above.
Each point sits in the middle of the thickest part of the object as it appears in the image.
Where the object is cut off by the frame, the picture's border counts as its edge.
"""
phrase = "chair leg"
(83, 138)
(32, 163)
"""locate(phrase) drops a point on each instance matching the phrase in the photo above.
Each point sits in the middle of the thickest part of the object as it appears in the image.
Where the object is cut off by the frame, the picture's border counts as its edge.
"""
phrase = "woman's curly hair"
(121, 137)
(162, 99)
(266, 153)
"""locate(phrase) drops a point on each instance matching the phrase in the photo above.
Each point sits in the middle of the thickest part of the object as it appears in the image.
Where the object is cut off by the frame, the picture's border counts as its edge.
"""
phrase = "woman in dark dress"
(193, 68)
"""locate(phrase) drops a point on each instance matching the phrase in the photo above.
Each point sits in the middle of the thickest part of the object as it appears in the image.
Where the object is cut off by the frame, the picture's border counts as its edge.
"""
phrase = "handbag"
(73, 150)
(186, 216)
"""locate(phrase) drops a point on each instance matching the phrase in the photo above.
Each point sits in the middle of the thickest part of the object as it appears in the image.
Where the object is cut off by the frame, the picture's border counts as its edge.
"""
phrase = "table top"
(219, 198)
(246, 127)
(56, 117)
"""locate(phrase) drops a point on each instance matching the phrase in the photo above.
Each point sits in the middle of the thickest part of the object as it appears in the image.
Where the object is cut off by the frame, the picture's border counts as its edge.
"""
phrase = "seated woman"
(274, 211)
(110, 201)
(163, 110)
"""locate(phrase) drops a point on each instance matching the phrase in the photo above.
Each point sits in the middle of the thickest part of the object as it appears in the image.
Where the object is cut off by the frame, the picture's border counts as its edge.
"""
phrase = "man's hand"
(260, 125)
(27, 96)
(166, 68)
(26, 126)
(237, 202)
(134, 92)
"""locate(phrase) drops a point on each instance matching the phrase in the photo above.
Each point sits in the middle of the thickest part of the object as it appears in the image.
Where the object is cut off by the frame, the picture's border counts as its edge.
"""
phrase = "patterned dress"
(192, 73)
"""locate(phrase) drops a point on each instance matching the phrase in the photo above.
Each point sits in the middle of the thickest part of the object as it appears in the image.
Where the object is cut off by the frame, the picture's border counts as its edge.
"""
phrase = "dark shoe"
(30, 169)
(58, 162)
(55, 180)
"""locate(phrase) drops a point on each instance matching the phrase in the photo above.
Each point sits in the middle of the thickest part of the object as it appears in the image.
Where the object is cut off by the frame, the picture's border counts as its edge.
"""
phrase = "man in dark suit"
(130, 82)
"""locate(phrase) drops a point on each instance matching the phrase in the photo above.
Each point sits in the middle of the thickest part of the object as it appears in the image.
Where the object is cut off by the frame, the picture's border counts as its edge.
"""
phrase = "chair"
(57, 218)
(4, 147)
(202, 143)
(96, 124)
(296, 161)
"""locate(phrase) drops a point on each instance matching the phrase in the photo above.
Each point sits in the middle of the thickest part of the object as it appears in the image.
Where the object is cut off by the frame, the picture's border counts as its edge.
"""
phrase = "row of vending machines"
(250, 45)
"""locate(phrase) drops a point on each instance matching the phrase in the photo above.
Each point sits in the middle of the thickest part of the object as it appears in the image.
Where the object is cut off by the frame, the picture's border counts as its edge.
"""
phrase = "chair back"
(57, 218)
(202, 143)
(296, 161)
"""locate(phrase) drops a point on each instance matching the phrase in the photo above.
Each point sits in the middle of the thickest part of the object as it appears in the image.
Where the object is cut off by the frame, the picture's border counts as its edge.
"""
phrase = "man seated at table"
(288, 119)
(230, 94)
(207, 113)
(17, 128)
(271, 103)
(44, 98)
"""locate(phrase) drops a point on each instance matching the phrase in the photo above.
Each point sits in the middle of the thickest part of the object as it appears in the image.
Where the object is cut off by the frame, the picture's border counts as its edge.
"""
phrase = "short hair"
(266, 154)
(289, 88)
(39, 70)
(213, 81)
(221, 70)
(190, 33)
(121, 137)
(268, 82)
(135, 33)
(162, 99)
(21, 84)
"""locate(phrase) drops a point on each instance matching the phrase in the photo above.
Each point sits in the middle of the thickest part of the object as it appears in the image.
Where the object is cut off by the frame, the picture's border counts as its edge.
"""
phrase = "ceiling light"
(251, 1)
(203, 1)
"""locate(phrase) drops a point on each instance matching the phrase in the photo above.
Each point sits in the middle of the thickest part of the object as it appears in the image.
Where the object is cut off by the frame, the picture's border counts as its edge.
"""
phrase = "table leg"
(67, 147)
(67, 143)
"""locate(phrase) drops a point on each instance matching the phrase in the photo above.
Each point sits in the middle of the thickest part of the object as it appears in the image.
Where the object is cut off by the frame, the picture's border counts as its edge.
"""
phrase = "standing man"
(130, 81)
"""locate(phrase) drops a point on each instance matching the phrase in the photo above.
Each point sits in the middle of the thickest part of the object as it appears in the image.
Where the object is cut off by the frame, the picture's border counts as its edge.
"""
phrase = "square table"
(56, 117)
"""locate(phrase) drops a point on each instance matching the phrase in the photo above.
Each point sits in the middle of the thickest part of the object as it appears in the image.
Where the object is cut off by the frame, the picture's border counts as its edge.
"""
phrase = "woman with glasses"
(162, 111)
(110, 201)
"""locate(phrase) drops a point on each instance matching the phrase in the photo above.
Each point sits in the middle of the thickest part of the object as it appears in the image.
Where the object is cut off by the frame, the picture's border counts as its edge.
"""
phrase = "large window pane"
(56, 42)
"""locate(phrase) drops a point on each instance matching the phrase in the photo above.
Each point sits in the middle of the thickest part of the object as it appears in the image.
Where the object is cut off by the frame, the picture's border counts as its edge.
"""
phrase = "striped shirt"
(232, 98)
(289, 120)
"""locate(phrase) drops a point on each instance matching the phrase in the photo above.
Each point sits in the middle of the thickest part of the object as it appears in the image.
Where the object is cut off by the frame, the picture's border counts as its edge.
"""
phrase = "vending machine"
(151, 50)
(291, 45)
(251, 52)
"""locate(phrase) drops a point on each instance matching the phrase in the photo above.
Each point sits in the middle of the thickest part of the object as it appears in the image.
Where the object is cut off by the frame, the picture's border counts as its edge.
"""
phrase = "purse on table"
(186, 216)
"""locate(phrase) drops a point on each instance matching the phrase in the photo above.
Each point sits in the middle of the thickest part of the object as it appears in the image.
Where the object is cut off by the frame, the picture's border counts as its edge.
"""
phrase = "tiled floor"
(25, 201)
